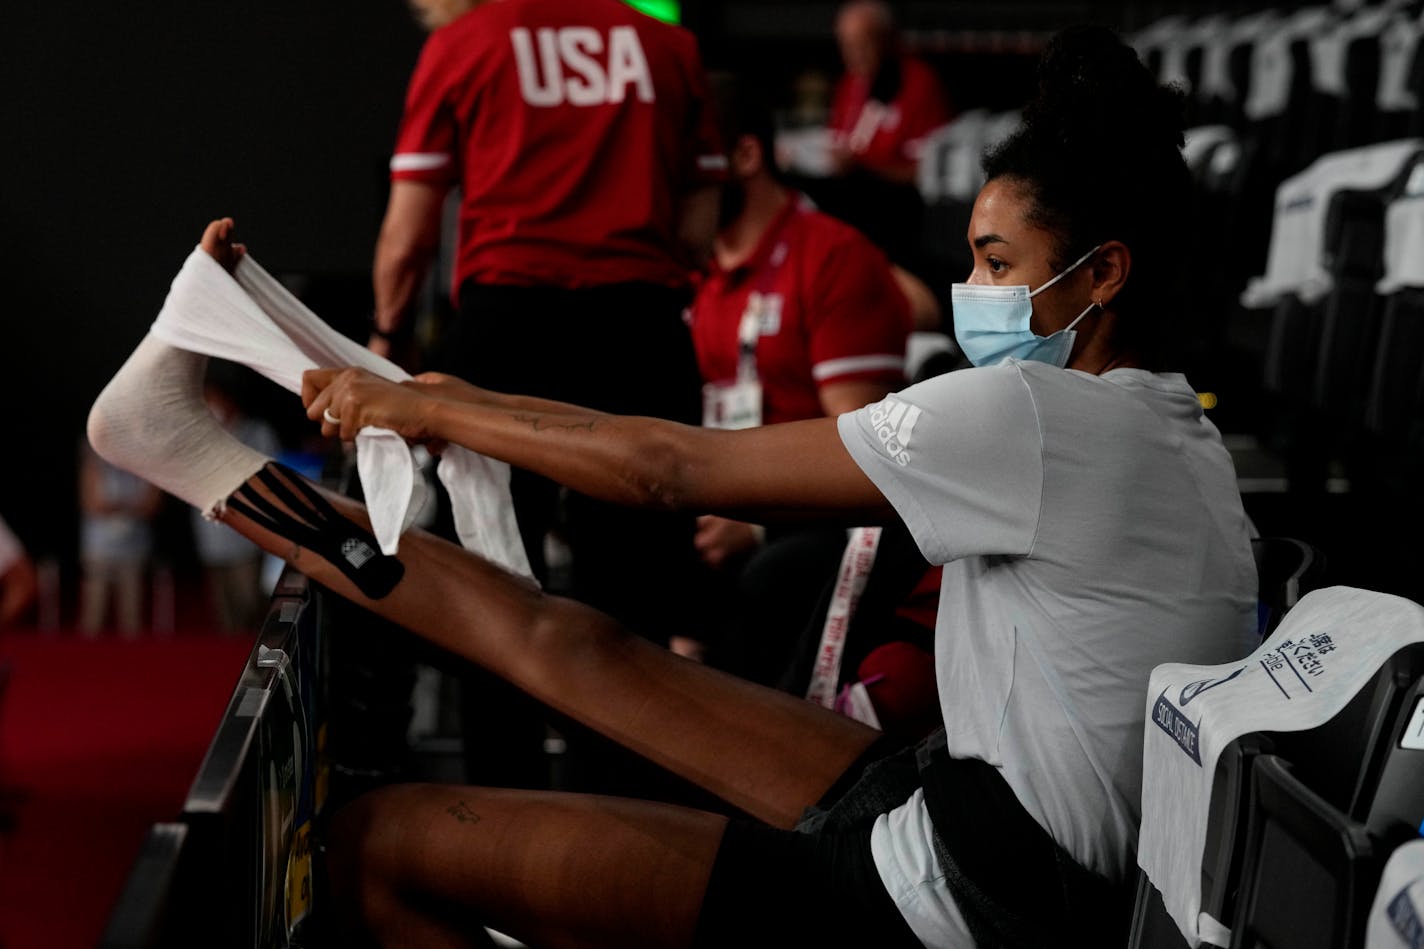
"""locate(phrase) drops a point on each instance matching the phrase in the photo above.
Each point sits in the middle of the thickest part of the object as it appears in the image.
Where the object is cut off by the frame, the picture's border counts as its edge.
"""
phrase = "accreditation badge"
(731, 404)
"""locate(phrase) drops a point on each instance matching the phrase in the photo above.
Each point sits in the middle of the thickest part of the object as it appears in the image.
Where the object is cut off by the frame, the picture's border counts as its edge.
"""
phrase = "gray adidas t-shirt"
(1091, 529)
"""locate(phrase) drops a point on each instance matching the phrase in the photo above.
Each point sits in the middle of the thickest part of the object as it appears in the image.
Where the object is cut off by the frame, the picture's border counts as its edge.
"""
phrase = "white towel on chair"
(1296, 260)
(250, 318)
(1328, 647)
(1397, 918)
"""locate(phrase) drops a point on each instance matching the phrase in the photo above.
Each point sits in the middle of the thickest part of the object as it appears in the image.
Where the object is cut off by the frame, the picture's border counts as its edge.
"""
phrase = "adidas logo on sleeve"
(894, 423)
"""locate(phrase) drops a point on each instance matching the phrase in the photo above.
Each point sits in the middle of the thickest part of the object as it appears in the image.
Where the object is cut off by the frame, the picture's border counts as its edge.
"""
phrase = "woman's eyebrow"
(984, 240)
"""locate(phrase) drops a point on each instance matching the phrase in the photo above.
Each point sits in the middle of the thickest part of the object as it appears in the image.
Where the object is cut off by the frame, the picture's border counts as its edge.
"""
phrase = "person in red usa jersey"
(886, 101)
(829, 317)
(579, 135)
(884, 105)
(798, 316)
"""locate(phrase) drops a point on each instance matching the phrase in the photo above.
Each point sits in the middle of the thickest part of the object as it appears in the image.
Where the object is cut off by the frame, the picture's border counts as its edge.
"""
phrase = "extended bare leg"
(548, 868)
(761, 750)
(765, 751)
(429, 865)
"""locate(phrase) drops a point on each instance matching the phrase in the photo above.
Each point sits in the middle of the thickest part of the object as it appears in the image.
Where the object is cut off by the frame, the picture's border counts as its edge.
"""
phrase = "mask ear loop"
(1078, 319)
(1071, 267)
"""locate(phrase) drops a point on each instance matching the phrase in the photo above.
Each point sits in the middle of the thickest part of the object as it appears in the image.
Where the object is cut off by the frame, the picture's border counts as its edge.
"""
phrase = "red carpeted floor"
(98, 739)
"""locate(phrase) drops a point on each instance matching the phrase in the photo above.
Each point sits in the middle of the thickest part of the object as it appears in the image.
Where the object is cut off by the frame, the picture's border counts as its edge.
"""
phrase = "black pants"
(816, 885)
(622, 349)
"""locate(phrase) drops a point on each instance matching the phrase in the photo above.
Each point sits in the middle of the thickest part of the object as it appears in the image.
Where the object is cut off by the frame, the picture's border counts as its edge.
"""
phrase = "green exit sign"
(669, 11)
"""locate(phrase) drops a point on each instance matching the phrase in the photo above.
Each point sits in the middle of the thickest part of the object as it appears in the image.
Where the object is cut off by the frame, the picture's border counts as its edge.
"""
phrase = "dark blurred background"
(128, 126)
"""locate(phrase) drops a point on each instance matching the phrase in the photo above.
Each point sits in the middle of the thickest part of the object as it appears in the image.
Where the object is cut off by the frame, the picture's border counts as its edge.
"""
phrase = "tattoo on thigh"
(462, 813)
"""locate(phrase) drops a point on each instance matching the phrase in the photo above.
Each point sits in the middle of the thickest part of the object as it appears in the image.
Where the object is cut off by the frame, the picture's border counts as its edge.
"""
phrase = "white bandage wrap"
(151, 419)
(248, 317)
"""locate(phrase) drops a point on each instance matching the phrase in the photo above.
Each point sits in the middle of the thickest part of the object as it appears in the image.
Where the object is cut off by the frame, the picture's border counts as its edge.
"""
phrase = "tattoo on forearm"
(539, 424)
(462, 813)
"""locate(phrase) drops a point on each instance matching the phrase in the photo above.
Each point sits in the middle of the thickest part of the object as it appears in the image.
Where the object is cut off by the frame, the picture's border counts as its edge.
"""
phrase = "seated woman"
(1085, 512)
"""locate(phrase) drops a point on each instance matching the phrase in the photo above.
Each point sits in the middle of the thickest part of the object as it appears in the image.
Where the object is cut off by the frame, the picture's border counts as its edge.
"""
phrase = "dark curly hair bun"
(1091, 84)
(1099, 154)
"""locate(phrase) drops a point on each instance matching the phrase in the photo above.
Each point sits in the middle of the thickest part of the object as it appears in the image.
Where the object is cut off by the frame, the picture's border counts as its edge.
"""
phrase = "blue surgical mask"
(991, 323)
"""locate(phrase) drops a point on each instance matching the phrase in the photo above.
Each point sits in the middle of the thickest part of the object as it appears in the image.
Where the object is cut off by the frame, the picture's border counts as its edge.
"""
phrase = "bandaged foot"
(223, 304)
(151, 420)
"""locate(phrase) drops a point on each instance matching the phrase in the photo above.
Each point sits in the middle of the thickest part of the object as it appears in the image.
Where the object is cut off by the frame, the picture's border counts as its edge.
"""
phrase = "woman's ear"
(1111, 265)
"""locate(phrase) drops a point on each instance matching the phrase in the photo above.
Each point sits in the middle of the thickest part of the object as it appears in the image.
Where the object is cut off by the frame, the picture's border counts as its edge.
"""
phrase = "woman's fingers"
(322, 391)
(314, 383)
(348, 400)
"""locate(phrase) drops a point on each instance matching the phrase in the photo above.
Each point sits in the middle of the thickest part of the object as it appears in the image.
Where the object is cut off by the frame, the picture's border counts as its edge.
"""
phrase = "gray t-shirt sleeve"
(960, 457)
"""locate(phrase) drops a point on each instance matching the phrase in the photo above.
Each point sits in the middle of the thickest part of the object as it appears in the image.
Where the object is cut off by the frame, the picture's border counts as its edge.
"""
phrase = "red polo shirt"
(830, 311)
(881, 134)
(573, 128)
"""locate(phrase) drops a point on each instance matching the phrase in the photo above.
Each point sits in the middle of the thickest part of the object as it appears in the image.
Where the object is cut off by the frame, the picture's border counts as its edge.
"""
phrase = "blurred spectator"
(588, 165)
(884, 105)
(116, 543)
(886, 101)
(232, 563)
(18, 584)
(798, 317)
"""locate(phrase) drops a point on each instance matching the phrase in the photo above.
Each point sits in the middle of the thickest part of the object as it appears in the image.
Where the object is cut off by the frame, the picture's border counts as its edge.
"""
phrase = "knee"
(361, 840)
(564, 627)
(364, 856)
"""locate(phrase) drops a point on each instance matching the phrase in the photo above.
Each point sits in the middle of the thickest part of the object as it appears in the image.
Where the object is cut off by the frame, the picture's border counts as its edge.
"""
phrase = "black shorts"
(779, 888)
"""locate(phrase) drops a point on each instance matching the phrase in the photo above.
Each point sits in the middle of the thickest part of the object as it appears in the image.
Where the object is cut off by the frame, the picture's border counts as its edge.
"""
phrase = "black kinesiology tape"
(314, 524)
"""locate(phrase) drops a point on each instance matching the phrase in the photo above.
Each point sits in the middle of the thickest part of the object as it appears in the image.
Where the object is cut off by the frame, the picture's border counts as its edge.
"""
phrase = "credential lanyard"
(761, 309)
(856, 562)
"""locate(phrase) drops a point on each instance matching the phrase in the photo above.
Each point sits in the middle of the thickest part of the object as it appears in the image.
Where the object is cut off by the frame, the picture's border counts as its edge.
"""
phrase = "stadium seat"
(1343, 761)
(1226, 824)
(1395, 790)
(1345, 62)
(1396, 918)
(1309, 871)
(1354, 245)
(1353, 763)
(1212, 153)
(1326, 255)
(1287, 568)
(1396, 102)
(1395, 394)
(1152, 927)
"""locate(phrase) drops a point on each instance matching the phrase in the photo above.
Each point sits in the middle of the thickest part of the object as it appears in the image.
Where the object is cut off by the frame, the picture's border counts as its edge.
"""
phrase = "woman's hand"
(719, 540)
(347, 400)
(443, 386)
